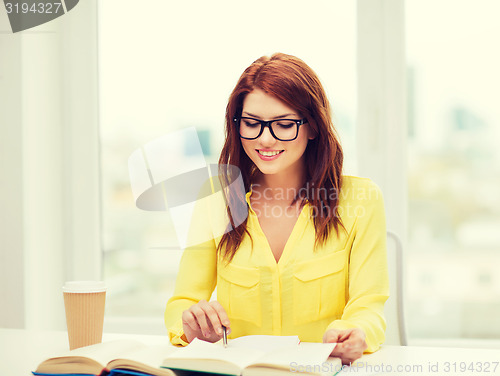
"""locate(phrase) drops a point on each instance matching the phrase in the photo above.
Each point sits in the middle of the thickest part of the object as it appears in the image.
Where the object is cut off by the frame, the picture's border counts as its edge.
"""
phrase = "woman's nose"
(266, 138)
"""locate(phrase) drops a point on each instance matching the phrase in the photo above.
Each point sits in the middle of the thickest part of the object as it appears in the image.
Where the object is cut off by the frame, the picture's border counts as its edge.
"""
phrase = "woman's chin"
(268, 170)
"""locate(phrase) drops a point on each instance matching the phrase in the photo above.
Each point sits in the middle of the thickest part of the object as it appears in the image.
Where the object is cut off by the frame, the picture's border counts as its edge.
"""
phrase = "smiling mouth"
(270, 153)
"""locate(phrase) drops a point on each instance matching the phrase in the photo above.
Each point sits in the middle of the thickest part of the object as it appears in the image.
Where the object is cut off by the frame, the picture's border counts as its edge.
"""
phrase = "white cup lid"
(84, 286)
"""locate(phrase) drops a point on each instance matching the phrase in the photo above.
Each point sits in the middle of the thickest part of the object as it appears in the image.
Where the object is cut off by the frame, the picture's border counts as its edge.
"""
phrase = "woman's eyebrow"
(276, 117)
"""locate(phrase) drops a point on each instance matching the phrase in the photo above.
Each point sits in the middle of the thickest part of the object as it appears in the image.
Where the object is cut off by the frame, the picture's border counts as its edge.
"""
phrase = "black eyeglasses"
(281, 129)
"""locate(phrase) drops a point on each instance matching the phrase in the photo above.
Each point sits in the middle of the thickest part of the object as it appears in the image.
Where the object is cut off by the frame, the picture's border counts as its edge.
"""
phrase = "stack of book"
(246, 356)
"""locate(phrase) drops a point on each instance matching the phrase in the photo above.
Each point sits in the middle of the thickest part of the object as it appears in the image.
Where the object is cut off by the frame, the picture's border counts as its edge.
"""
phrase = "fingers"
(223, 319)
(204, 320)
(350, 344)
(332, 335)
(200, 314)
(189, 320)
(349, 351)
(190, 325)
(214, 316)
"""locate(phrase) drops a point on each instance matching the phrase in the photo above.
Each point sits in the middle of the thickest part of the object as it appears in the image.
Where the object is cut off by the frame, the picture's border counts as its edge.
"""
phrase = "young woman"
(310, 258)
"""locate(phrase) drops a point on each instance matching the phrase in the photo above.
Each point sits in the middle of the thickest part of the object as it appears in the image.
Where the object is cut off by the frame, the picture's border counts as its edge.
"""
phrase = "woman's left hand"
(350, 343)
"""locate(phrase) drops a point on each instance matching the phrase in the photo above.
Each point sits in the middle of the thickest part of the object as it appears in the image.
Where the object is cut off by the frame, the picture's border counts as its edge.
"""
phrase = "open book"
(104, 357)
(256, 355)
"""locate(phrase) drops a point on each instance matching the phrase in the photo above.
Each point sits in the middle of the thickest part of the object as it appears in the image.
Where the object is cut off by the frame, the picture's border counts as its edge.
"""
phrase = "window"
(454, 169)
(175, 68)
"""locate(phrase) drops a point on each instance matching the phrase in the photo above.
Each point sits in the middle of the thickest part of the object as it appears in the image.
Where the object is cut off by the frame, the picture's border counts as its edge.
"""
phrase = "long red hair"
(293, 82)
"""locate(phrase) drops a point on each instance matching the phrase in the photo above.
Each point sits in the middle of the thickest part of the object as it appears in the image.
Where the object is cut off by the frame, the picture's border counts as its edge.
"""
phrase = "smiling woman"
(140, 249)
(312, 272)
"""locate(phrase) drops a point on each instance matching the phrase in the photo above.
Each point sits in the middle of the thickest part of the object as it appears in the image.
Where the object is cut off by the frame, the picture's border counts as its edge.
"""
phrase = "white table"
(22, 350)
(420, 361)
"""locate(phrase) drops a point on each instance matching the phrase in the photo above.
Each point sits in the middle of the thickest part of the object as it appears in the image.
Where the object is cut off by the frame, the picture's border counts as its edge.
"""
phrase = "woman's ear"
(311, 131)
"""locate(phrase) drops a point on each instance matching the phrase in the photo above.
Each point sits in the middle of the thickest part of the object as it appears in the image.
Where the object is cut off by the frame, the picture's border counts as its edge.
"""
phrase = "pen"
(224, 336)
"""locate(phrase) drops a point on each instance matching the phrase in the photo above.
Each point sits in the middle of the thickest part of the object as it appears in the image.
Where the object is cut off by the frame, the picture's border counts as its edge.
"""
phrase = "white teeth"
(268, 153)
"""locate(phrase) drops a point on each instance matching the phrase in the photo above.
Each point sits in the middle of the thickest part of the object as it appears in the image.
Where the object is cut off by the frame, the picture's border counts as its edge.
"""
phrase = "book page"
(278, 352)
(240, 351)
(199, 350)
(306, 357)
(264, 343)
(147, 360)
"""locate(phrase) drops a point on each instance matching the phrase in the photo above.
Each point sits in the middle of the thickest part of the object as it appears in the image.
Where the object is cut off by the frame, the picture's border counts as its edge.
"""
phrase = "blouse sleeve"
(197, 274)
(196, 280)
(368, 278)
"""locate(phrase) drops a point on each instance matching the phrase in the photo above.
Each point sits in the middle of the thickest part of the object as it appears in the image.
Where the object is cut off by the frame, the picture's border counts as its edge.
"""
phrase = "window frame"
(381, 127)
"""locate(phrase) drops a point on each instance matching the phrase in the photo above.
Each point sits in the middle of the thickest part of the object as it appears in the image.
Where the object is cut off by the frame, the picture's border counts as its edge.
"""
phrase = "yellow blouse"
(341, 284)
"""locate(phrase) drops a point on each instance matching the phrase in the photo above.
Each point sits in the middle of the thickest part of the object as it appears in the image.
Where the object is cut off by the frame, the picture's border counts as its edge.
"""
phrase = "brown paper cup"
(84, 304)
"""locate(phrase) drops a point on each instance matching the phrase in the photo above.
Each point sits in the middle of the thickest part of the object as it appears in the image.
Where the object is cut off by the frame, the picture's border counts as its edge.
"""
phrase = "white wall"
(49, 149)
(11, 180)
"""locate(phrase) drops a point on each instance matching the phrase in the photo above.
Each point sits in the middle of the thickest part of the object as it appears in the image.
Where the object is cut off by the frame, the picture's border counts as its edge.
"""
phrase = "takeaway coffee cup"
(84, 304)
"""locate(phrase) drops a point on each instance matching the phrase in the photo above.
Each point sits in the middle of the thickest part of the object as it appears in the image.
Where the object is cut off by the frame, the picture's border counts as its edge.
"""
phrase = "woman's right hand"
(204, 321)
